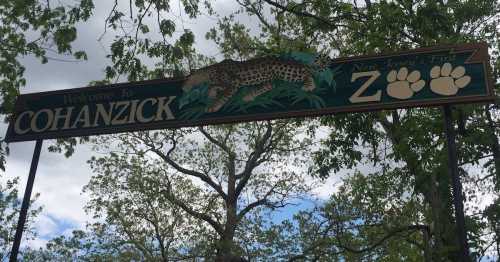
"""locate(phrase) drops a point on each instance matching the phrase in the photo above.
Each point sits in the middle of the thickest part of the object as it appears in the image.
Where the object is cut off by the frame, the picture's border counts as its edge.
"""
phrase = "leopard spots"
(227, 77)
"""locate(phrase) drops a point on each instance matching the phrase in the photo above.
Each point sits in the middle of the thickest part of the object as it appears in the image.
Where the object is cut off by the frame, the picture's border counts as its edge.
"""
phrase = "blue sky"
(60, 180)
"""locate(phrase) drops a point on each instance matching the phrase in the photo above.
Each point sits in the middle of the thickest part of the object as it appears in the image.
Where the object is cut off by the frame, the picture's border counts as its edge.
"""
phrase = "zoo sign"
(290, 85)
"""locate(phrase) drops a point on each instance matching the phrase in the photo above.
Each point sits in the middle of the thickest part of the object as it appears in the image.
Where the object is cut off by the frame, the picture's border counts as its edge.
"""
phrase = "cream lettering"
(83, 116)
(95, 115)
(45, 124)
(140, 114)
(133, 109)
(105, 115)
(17, 125)
(116, 120)
(58, 115)
(164, 107)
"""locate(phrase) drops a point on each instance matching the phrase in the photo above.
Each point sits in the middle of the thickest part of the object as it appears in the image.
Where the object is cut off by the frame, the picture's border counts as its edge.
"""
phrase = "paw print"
(447, 82)
(403, 85)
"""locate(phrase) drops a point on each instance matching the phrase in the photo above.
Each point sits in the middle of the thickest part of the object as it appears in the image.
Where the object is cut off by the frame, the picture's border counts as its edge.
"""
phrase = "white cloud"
(35, 243)
(60, 180)
(45, 225)
(328, 187)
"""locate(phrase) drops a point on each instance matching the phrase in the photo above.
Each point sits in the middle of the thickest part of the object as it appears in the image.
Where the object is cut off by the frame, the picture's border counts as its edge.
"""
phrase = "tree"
(29, 28)
(34, 28)
(370, 217)
(9, 213)
(209, 181)
(138, 218)
(402, 209)
(413, 138)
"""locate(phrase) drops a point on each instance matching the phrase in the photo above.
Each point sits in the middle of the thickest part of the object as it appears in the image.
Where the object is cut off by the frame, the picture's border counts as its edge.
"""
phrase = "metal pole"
(26, 201)
(456, 184)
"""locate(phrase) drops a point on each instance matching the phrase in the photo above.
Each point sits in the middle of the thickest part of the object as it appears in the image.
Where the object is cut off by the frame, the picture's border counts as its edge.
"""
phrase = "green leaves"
(9, 213)
(397, 186)
(167, 27)
(137, 54)
(80, 55)
(29, 28)
(186, 39)
(405, 145)
(63, 36)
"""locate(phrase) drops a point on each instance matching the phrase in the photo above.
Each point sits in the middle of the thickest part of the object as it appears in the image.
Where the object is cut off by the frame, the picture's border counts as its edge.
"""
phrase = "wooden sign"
(290, 85)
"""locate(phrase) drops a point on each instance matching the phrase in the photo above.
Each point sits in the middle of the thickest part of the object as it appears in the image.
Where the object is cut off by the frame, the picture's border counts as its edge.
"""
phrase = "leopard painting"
(225, 78)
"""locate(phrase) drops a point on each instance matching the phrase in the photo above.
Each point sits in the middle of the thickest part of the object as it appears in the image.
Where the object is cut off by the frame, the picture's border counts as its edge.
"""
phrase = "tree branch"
(300, 13)
(383, 239)
(216, 226)
(176, 166)
(251, 206)
(218, 143)
(252, 161)
(260, 202)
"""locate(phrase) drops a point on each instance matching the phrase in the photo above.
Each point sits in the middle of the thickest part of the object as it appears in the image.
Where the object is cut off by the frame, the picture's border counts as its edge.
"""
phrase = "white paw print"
(403, 85)
(447, 82)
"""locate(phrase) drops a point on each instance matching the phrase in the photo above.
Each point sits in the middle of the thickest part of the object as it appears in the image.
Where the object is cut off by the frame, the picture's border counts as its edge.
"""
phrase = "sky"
(60, 180)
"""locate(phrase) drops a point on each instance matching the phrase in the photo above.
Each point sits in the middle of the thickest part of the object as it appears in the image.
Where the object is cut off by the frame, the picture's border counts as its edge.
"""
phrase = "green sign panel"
(291, 85)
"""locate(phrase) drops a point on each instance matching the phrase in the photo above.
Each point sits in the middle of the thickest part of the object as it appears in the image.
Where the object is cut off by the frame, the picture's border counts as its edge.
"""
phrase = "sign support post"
(26, 201)
(456, 184)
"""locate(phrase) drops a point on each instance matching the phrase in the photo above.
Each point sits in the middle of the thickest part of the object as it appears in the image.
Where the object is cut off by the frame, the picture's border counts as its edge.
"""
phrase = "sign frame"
(480, 54)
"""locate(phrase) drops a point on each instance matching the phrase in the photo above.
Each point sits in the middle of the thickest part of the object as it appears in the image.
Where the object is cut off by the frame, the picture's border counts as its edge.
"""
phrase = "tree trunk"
(436, 193)
(435, 204)
(226, 250)
(427, 245)
(495, 146)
